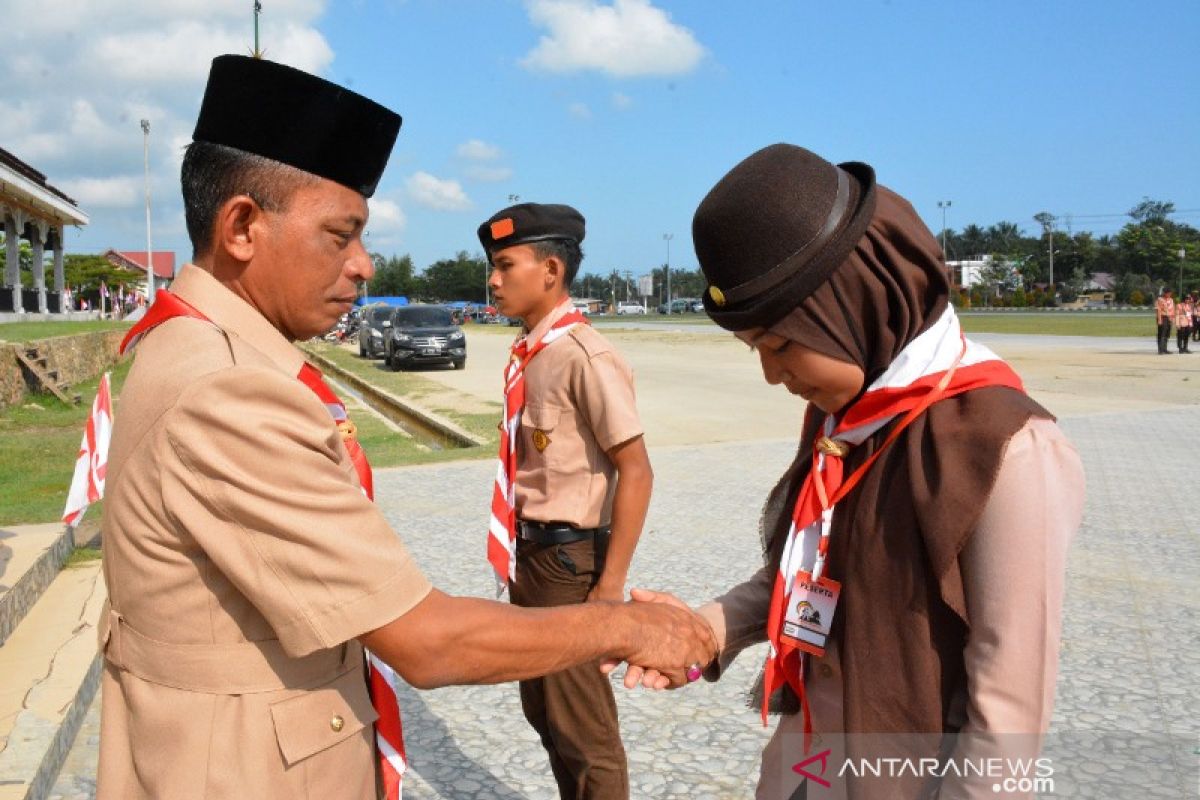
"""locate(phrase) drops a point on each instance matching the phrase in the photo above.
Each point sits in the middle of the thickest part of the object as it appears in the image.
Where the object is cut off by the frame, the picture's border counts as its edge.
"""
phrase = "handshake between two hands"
(671, 644)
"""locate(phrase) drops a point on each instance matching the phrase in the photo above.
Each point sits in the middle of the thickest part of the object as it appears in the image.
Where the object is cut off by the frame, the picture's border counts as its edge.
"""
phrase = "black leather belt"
(557, 532)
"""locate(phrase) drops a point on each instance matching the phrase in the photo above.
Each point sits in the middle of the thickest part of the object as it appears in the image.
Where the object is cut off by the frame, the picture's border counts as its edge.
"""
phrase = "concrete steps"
(49, 670)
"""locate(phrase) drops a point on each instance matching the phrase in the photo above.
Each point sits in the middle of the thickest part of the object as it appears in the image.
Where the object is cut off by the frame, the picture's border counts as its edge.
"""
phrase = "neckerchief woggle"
(502, 527)
(938, 364)
(389, 731)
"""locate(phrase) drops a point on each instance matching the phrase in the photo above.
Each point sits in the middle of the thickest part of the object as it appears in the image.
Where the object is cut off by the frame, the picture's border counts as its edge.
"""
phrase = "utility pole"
(1047, 220)
(943, 205)
(257, 11)
(150, 288)
(667, 237)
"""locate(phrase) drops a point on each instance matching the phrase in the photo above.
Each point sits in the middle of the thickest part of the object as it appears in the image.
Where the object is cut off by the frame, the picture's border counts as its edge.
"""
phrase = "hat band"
(786, 268)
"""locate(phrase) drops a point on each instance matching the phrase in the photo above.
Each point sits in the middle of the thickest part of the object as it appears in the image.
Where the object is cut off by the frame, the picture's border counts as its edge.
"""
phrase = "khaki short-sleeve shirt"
(579, 404)
(242, 559)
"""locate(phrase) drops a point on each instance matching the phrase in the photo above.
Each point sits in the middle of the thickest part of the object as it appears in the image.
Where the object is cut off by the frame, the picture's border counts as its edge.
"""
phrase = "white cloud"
(121, 191)
(488, 174)
(478, 150)
(627, 39)
(82, 73)
(386, 216)
(579, 110)
(442, 194)
(621, 101)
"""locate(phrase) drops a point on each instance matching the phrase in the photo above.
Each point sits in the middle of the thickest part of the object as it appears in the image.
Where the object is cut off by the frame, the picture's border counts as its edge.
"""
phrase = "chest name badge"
(810, 613)
(541, 440)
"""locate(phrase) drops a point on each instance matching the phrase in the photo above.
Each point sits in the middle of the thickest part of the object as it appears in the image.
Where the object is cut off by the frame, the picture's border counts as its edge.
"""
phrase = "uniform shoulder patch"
(590, 340)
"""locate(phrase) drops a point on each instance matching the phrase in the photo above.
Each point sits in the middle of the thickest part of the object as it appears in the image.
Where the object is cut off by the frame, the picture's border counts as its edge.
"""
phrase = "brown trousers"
(573, 711)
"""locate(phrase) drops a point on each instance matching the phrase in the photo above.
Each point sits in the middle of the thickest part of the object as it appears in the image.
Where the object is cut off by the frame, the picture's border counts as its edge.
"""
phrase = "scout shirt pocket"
(325, 729)
(538, 448)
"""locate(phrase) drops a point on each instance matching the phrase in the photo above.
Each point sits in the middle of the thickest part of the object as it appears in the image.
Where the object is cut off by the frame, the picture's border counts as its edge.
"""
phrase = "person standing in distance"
(245, 562)
(1164, 315)
(574, 480)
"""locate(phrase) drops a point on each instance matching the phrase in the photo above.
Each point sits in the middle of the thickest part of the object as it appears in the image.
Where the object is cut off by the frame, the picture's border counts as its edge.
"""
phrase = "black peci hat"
(530, 222)
(774, 229)
(286, 115)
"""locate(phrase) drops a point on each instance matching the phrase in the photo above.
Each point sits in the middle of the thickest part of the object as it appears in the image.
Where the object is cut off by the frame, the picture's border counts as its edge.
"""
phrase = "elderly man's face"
(309, 259)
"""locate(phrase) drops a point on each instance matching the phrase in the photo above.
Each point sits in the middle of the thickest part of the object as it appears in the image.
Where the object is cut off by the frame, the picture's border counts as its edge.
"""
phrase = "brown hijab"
(902, 620)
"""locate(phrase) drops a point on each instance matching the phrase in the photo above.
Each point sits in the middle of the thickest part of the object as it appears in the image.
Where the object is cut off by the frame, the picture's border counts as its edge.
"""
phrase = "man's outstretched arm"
(447, 640)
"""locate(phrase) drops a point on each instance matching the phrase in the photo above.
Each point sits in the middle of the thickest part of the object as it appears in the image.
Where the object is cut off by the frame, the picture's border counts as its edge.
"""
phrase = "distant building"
(33, 210)
(968, 273)
(164, 265)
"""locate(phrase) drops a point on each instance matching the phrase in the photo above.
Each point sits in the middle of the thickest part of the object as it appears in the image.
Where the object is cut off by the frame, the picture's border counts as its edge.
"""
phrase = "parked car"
(373, 324)
(697, 306)
(630, 308)
(678, 306)
(424, 334)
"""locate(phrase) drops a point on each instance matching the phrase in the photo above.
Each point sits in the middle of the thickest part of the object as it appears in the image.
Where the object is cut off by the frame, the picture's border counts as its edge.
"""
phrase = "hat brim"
(768, 308)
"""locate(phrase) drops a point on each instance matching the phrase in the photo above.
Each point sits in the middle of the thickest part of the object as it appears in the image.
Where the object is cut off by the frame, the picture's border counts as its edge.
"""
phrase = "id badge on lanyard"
(810, 612)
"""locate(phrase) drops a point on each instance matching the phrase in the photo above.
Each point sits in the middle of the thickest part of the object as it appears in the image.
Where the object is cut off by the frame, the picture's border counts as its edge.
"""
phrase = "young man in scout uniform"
(245, 562)
(574, 480)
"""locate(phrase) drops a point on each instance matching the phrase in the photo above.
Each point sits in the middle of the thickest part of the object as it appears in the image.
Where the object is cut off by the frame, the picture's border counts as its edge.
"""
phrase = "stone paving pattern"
(1125, 724)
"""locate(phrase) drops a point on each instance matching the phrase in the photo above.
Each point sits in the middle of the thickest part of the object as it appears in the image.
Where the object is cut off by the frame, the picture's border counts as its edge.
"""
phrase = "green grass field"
(1060, 323)
(30, 331)
(41, 440)
(383, 446)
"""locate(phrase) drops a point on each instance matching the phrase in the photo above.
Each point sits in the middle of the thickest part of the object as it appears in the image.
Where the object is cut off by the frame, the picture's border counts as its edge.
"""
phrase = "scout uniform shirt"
(242, 559)
(579, 403)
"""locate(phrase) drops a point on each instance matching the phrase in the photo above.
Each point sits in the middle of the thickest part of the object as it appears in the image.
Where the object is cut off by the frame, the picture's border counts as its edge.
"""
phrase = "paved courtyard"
(1125, 723)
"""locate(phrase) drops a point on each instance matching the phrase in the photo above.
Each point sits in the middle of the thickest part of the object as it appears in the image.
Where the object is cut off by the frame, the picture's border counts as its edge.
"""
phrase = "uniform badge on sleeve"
(541, 440)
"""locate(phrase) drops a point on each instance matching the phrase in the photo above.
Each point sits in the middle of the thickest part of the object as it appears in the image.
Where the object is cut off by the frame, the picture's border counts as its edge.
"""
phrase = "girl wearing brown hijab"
(914, 552)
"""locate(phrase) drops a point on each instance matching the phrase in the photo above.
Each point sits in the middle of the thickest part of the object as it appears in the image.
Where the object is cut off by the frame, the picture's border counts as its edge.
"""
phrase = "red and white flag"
(92, 463)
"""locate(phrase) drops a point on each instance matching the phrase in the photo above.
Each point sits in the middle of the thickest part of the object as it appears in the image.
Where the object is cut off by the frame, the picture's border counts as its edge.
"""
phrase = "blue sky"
(631, 110)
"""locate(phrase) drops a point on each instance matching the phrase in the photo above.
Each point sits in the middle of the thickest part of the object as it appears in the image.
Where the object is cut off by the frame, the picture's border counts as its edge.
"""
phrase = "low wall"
(77, 358)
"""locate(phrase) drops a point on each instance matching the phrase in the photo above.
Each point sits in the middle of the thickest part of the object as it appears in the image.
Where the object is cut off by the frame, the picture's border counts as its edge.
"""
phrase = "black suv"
(422, 334)
(372, 333)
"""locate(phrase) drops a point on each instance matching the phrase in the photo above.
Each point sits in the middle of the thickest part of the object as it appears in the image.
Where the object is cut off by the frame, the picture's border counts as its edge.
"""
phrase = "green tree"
(24, 258)
(393, 276)
(973, 241)
(458, 278)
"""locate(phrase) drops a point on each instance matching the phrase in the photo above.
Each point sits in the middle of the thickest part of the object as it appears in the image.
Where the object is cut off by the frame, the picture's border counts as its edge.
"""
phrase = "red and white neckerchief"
(939, 363)
(389, 730)
(502, 528)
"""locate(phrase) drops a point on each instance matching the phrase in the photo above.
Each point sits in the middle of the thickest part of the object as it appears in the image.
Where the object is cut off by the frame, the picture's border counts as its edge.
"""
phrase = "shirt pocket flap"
(542, 418)
(322, 717)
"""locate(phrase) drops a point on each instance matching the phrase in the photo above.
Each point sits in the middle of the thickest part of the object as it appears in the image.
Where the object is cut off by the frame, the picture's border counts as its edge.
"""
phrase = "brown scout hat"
(774, 229)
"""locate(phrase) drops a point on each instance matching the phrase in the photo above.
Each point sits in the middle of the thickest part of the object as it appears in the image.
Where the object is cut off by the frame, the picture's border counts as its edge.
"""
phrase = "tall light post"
(943, 205)
(149, 250)
(257, 11)
(667, 237)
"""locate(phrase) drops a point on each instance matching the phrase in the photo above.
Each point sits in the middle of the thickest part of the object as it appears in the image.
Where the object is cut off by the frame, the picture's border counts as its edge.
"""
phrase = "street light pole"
(943, 205)
(257, 10)
(150, 288)
(667, 237)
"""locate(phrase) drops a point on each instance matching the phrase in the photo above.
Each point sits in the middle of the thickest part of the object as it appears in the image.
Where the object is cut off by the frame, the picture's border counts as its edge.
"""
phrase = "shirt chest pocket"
(326, 724)
(541, 428)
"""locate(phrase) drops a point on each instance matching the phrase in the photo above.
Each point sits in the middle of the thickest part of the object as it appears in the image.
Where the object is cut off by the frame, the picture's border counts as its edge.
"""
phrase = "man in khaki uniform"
(582, 479)
(245, 563)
